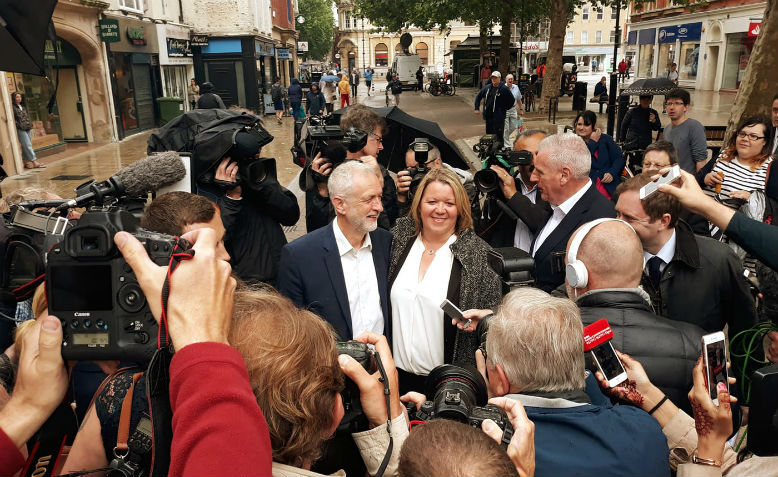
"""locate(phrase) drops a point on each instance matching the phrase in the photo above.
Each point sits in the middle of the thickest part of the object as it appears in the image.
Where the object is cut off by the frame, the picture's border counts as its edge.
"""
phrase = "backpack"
(275, 92)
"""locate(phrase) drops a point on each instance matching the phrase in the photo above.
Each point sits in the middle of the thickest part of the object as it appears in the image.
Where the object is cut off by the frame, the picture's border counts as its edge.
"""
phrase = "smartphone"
(451, 310)
(714, 354)
(670, 176)
(609, 364)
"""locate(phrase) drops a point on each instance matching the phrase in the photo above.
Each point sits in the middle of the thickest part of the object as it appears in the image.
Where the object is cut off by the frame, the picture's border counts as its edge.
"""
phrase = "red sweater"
(218, 428)
(11, 460)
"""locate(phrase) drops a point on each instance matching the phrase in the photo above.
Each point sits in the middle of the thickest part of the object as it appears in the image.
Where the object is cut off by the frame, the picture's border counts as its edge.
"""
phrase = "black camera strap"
(387, 396)
(181, 251)
(157, 389)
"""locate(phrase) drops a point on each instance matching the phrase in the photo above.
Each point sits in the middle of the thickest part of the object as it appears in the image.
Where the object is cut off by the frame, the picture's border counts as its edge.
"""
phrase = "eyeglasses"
(674, 103)
(377, 137)
(751, 137)
(654, 165)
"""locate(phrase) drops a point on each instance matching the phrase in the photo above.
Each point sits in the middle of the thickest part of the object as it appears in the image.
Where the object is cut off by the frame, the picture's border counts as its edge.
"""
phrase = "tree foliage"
(318, 29)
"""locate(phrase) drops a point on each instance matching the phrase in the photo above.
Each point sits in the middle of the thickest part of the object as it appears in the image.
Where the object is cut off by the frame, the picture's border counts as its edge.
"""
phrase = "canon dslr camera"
(354, 419)
(94, 292)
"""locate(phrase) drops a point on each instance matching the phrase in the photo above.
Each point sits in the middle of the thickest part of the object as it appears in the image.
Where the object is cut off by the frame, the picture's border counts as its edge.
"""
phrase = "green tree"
(318, 29)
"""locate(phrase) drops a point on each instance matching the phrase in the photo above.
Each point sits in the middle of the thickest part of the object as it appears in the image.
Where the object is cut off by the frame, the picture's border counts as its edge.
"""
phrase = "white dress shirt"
(666, 253)
(523, 236)
(417, 319)
(364, 301)
(560, 211)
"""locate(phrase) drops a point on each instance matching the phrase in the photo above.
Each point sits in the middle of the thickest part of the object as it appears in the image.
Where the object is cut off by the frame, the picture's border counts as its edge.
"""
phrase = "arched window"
(381, 55)
(423, 52)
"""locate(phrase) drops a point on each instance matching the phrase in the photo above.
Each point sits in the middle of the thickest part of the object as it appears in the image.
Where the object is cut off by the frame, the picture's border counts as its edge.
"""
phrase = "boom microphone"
(136, 180)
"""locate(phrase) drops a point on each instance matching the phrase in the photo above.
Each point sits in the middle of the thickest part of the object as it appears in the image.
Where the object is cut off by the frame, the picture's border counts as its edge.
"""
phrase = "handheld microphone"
(597, 342)
(136, 180)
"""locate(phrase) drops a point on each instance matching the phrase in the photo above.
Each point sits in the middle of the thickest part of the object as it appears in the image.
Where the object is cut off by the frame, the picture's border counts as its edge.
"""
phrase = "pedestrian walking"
(23, 126)
(296, 98)
(497, 100)
(420, 79)
(396, 88)
(369, 79)
(193, 93)
(354, 80)
(277, 95)
(345, 89)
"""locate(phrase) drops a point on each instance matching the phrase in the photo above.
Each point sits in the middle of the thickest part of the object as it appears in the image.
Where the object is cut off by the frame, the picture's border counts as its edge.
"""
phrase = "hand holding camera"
(521, 448)
(404, 180)
(507, 183)
(227, 173)
(201, 290)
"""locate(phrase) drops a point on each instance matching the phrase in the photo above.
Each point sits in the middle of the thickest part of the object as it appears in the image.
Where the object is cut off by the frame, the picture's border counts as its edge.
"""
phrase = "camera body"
(94, 292)
(354, 419)
(459, 394)
(488, 148)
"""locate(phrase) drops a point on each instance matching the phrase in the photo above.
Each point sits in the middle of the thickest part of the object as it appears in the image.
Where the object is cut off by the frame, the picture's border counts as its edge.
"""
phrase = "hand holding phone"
(597, 341)
(451, 310)
(714, 355)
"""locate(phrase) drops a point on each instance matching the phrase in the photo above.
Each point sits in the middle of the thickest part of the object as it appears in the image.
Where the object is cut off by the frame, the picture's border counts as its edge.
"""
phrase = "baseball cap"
(497, 74)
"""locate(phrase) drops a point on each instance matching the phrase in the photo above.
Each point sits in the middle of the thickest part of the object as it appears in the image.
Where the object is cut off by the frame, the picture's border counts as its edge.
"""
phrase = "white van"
(406, 66)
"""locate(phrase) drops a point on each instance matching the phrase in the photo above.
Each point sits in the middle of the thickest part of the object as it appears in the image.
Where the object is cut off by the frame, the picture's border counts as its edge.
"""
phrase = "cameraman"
(319, 211)
(505, 231)
(253, 214)
(434, 161)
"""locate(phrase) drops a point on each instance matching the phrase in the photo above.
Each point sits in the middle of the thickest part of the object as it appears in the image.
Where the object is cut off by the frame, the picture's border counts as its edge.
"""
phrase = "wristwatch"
(703, 461)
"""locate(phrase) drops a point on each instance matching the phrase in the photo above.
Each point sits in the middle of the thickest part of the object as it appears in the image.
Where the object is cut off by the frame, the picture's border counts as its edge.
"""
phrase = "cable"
(752, 345)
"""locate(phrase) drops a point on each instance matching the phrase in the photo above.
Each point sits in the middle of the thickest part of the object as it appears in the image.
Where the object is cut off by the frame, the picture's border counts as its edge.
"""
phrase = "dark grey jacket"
(473, 284)
(704, 285)
(667, 349)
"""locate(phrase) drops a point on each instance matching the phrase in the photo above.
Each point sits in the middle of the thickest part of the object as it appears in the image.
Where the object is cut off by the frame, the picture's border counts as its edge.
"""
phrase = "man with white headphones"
(603, 271)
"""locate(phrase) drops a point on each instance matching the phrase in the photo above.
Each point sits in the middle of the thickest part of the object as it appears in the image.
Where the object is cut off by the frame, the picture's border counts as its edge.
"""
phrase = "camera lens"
(486, 180)
(131, 298)
(456, 391)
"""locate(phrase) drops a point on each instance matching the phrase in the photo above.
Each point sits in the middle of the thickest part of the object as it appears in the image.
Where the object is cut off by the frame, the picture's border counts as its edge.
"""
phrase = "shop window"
(36, 92)
(134, 5)
(646, 64)
(689, 56)
(585, 13)
(381, 55)
(423, 51)
(570, 37)
(598, 37)
(738, 52)
(666, 57)
(584, 37)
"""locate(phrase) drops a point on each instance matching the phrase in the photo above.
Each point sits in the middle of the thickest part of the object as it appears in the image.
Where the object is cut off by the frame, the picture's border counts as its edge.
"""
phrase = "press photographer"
(362, 120)
(421, 157)
(253, 204)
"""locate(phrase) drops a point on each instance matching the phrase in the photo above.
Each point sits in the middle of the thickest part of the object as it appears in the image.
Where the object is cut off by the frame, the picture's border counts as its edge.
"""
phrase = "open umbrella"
(649, 86)
(328, 78)
(24, 29)
(402, 130)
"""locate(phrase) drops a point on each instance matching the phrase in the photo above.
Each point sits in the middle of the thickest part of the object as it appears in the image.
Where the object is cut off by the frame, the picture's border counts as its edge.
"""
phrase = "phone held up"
(597, 342)
(451, 310)
(714, 355)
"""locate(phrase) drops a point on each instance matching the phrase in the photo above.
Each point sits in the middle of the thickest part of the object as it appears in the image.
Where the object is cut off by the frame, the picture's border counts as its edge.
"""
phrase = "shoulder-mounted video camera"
(459, 394)
(95, 294)
(488, 149)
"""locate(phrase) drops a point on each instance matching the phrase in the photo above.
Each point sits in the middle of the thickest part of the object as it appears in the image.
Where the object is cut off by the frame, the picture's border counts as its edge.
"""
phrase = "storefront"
(136, 80)
(230, 63)
(175, 60)
(738, 51)
(266, 64)
(646, 38)
(689, 50)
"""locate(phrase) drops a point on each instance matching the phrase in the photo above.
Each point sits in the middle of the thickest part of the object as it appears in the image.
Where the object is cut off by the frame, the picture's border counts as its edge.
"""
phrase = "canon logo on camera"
(80, 313)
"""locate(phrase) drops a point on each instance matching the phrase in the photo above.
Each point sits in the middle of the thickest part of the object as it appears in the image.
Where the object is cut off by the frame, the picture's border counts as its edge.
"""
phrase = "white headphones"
(576, 273)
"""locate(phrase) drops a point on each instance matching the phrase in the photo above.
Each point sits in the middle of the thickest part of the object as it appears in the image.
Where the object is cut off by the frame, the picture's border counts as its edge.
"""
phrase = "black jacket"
(498, 228)
(314, 102)
(497, 100)
(636, 129)
(295, 91)
(667, 349)
(703, 284)
(210, 101)
(472, 284)
(254, 235)
(549, 258)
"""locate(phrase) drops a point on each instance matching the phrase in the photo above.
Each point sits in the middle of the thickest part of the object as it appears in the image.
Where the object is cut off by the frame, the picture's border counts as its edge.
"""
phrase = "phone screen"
(607, 361)
(717, 366)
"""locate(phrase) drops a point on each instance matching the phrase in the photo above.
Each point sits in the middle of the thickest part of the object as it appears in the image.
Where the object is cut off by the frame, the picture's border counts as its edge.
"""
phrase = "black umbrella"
(649, 86)
(24, 29)
(402, 130)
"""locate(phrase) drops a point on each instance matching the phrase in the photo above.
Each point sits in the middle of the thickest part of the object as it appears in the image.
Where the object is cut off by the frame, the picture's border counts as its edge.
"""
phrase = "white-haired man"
(562, 177)
(340, 271)
(534, 355)
(513, 113)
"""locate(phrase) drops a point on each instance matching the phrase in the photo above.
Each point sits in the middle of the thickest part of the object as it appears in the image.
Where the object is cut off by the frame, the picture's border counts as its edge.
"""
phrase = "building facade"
(711, 43)
(590, 37)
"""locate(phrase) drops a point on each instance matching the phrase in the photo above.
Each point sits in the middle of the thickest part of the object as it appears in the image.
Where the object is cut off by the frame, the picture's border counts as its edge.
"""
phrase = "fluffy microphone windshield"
(150, 174)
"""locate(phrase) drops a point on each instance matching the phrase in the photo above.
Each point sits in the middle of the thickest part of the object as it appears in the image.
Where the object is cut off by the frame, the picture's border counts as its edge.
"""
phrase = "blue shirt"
(369, 75)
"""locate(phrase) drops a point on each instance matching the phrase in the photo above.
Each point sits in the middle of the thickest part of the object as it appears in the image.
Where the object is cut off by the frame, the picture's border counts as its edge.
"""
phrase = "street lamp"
(614, 74)
(363, 43)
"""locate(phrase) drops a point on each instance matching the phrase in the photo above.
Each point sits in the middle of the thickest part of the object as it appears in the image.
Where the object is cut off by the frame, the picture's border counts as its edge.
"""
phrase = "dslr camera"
(488, 149)
(459, 394)
(420, 148)
(94, 292)
(354, 419)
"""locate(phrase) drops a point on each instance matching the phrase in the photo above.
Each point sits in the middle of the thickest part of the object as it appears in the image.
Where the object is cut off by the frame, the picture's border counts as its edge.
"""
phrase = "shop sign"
(690, 31)
(302, 46)
(528, 45)
(178, 48)
(109, 30)
(668, 34)
(647, 36)
(264, 49)
(283, 54)
(198, 40)
(136, 36)
(754, 28)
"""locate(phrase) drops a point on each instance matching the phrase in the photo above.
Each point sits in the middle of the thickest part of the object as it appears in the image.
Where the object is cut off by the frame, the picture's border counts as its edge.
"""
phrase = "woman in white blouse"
(436, 256)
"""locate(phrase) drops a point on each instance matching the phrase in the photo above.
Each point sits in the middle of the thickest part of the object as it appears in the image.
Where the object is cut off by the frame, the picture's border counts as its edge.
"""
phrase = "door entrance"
(71, 110)
(225, 80)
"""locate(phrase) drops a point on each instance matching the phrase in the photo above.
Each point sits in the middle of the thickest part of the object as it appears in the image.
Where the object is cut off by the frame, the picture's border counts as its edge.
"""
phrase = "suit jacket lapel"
(335, 272)
(380, 262)
(568, 224)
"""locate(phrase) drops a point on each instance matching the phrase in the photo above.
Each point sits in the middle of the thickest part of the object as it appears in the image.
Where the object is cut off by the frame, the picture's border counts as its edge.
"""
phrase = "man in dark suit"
(340, 271)
(569, 200)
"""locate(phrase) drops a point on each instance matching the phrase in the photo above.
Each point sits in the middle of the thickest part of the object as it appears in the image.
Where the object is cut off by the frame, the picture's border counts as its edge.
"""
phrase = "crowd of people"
(256, 382)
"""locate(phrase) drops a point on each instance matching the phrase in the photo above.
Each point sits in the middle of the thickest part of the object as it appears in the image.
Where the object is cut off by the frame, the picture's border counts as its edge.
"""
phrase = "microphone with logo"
(597, 343)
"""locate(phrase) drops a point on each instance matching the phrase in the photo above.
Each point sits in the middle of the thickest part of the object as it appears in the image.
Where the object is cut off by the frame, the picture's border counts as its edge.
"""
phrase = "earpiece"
(575, 272)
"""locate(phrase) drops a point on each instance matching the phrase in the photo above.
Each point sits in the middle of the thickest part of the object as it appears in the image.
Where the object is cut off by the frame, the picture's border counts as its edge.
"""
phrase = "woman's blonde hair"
(293, 367)
(451, 179)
